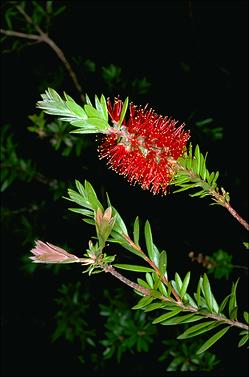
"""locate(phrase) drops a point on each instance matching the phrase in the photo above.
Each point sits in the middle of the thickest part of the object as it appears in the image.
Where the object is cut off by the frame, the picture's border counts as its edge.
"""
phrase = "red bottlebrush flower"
(143, 147)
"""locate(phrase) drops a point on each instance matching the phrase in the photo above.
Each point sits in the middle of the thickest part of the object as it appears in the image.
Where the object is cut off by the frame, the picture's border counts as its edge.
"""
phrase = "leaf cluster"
(183, 356)
(89, 120)
(57, 133)
(191, 172)
(171, 296)
(13, 167)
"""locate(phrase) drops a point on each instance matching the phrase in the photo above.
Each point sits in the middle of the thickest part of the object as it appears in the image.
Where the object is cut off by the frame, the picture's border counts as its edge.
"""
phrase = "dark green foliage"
(125, 330)
(13, 167)
(57, 134)
(209, 129)
(183, 357)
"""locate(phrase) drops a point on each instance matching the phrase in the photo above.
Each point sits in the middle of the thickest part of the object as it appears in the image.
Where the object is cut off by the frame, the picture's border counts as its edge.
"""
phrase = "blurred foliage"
(219, 263)
(13, 167)
(58, 135)
(125, 330)
(41, 14)
(182, 357)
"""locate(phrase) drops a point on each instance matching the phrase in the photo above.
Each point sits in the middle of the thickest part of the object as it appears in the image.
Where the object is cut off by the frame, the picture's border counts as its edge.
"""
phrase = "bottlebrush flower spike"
(143, 146)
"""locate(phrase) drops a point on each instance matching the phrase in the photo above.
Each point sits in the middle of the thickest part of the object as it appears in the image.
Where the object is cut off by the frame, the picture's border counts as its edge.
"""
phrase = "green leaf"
(163, 262)
(91, 111)
(135, 268)
(246, 316)
(84, 212)
(198, 159)
(207, 292)
(199, 329)
(243, 340)
(123, 111)
(143, 302)
(212, 340)
(233, 314)
(90, 123)
(190, 300)
(149, 240)
(92, 197)
(156, 305)
(88, 101)
(85, 130)
(223, 304)
(182, 319)
(233, 300)
(119, 225)
(77, 198)
(149, 280)
(155, 293)
(104, 107)
(76, 109)
(198, 293)
(185, 284)
(178, 282)
(143, 283)
(163, 317)
(136, 231)
(99, 108)
(162, 289)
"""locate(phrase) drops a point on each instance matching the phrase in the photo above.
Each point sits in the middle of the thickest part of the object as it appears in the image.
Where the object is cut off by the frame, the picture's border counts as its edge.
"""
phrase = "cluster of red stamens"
(143, 147)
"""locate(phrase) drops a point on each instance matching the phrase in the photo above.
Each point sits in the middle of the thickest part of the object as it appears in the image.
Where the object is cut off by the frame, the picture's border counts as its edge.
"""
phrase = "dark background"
(152, 39)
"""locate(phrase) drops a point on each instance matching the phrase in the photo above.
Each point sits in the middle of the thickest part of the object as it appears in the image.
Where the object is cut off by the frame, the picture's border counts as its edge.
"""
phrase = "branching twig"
(152, 264)
(219, 198)
(189, 308)
(43, 37)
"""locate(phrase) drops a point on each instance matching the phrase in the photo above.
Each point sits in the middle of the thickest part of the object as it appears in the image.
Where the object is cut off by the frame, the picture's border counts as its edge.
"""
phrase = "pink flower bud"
(48, 253)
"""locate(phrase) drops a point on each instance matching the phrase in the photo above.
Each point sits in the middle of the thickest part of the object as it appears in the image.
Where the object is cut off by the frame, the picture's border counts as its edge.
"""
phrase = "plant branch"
(43, 37)
(219, 198)
(116, 274)
(152, 264)
(189, 308)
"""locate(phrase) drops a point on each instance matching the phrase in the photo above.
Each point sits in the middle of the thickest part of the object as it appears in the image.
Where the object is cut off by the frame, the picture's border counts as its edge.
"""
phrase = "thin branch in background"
(43, 37)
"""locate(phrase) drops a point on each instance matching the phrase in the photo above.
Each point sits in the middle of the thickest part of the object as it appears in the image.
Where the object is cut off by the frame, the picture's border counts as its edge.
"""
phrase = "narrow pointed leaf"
(198, 293)
(212, 340)
(163, 317)
(199, 329)
(243, 340)
(178, 282)
(135, 268)
(246, 316)
(223, 304)
(182, 319)
(76, 109)
(163, 262)
(185, 284)
(149, 240)
(156, 305)
(149, 280)
(143, 283)
(123, 111)
(207, 292)
(233, 300)
(136, 231)
(143, 302)
(104, 107)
